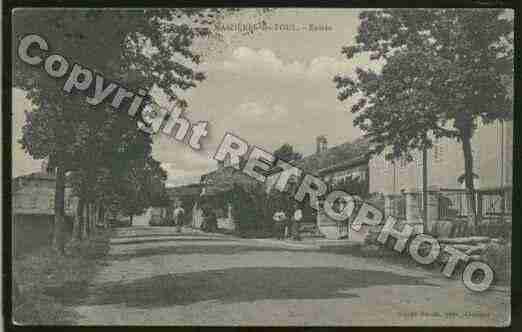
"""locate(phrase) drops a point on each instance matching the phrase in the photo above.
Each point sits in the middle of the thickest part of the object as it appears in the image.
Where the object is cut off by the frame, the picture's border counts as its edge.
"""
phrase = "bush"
(498, 257)
(252, 211)
(495, 228)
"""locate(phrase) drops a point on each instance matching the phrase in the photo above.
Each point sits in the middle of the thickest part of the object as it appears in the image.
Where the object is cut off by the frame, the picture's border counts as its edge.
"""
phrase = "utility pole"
(394, 187)
(425, 189)
(502, 192)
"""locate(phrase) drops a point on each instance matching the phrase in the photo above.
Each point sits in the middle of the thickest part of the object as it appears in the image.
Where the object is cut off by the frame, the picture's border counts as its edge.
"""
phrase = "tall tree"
(144, 186)
(444, 71)
(140, 48)
(286, 153)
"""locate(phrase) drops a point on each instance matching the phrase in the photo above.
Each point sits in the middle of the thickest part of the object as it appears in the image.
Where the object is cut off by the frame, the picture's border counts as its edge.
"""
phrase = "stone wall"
(38, 198)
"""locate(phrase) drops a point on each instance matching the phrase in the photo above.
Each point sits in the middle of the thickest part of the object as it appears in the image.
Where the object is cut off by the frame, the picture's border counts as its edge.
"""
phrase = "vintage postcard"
(262, 166)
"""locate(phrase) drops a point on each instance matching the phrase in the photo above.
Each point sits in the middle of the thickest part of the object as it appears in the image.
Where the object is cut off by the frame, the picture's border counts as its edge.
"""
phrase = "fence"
(397, 207)
(495, 203)
(489, 203)
(452, 204)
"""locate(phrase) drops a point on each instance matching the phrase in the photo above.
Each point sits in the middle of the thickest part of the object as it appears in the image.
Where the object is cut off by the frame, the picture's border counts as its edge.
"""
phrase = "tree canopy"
(286, 153)
(137, 48)
(443, 70)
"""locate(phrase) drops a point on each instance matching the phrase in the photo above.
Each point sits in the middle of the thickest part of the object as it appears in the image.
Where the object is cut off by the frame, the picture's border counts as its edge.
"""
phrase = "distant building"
(184, 195)
(492, 147)
(321, 144)
(213, 186)
(33, 194)
(33, 210)
(335, 165)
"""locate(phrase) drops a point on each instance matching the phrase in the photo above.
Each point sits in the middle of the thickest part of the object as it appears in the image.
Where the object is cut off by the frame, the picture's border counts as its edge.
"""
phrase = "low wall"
(226, 223)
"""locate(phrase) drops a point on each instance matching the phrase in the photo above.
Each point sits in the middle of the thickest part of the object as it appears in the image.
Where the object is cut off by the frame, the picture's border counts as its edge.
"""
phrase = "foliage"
(353, 186)
(136, 186)
(498, 257)
(286, 153)
(252, 208)
(139, 48)
(442, 67)
(41, 277)
(444, 71)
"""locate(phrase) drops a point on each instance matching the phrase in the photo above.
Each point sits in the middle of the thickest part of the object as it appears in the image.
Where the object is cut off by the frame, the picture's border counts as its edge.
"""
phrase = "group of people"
(287, 226)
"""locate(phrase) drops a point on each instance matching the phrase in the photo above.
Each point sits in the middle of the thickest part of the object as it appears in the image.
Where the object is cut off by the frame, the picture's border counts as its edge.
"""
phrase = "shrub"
(498, 257)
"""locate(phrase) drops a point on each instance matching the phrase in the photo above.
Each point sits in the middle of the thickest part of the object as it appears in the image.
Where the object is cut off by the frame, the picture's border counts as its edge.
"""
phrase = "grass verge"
(36, 272)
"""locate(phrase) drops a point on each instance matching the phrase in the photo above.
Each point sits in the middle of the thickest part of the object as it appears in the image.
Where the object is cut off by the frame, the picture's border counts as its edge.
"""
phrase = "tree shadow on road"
(238, 285)
(192, 249)
(166, 239)
(169, 234)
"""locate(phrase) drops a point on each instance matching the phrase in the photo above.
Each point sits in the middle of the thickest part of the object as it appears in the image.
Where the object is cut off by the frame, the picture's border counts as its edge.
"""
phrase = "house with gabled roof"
(347, 161)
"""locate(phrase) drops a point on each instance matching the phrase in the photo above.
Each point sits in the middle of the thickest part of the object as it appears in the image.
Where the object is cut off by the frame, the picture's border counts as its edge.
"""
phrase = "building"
(33, 209)
(492, 148)
(396, 186)
(383, 181)
(336, 165)
(401, 182)
(33, 194)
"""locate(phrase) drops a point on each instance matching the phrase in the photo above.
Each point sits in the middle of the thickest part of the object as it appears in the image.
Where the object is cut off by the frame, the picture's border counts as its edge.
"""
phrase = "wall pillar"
(388, 205)
(413, 210)
(433, 209)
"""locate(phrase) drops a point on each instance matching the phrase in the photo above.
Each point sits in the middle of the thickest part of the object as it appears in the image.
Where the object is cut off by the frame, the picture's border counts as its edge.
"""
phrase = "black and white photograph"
(261, 166)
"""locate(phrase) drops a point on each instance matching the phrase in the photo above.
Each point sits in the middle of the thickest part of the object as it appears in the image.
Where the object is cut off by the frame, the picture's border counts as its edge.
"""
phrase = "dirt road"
(154, 276)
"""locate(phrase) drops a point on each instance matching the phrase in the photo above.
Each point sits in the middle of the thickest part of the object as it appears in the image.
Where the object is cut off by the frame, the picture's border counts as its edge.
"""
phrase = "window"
(33, 204)
(17, 199)
(403, 162)
(418, 159)
(438, 151)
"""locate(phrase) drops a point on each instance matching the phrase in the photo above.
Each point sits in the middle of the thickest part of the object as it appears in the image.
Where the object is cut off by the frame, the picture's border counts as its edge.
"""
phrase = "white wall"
(443, 172)
(142, 219)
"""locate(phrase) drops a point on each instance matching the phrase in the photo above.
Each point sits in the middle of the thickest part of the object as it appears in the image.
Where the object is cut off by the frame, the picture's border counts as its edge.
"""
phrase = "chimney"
(321, 143)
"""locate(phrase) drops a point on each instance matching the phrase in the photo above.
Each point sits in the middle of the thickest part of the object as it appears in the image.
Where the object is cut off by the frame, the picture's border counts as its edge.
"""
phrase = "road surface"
(154, 276)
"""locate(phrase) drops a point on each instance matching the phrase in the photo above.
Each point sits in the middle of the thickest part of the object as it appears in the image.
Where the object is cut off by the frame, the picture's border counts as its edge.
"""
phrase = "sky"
(269, 88)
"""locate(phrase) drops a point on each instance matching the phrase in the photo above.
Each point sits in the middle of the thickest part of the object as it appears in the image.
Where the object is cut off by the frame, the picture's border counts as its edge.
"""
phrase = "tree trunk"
(102, 216)
(77, 225)
(468, 177)
(92, 215)
(425, 190)
(59, 211)
(96, 214)
(85, 230)
(88, 229)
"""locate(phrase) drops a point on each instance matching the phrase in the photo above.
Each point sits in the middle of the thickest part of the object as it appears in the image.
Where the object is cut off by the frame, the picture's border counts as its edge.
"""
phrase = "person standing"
(179, 214)
(296, 220)
(279, 224)
(210, 220)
